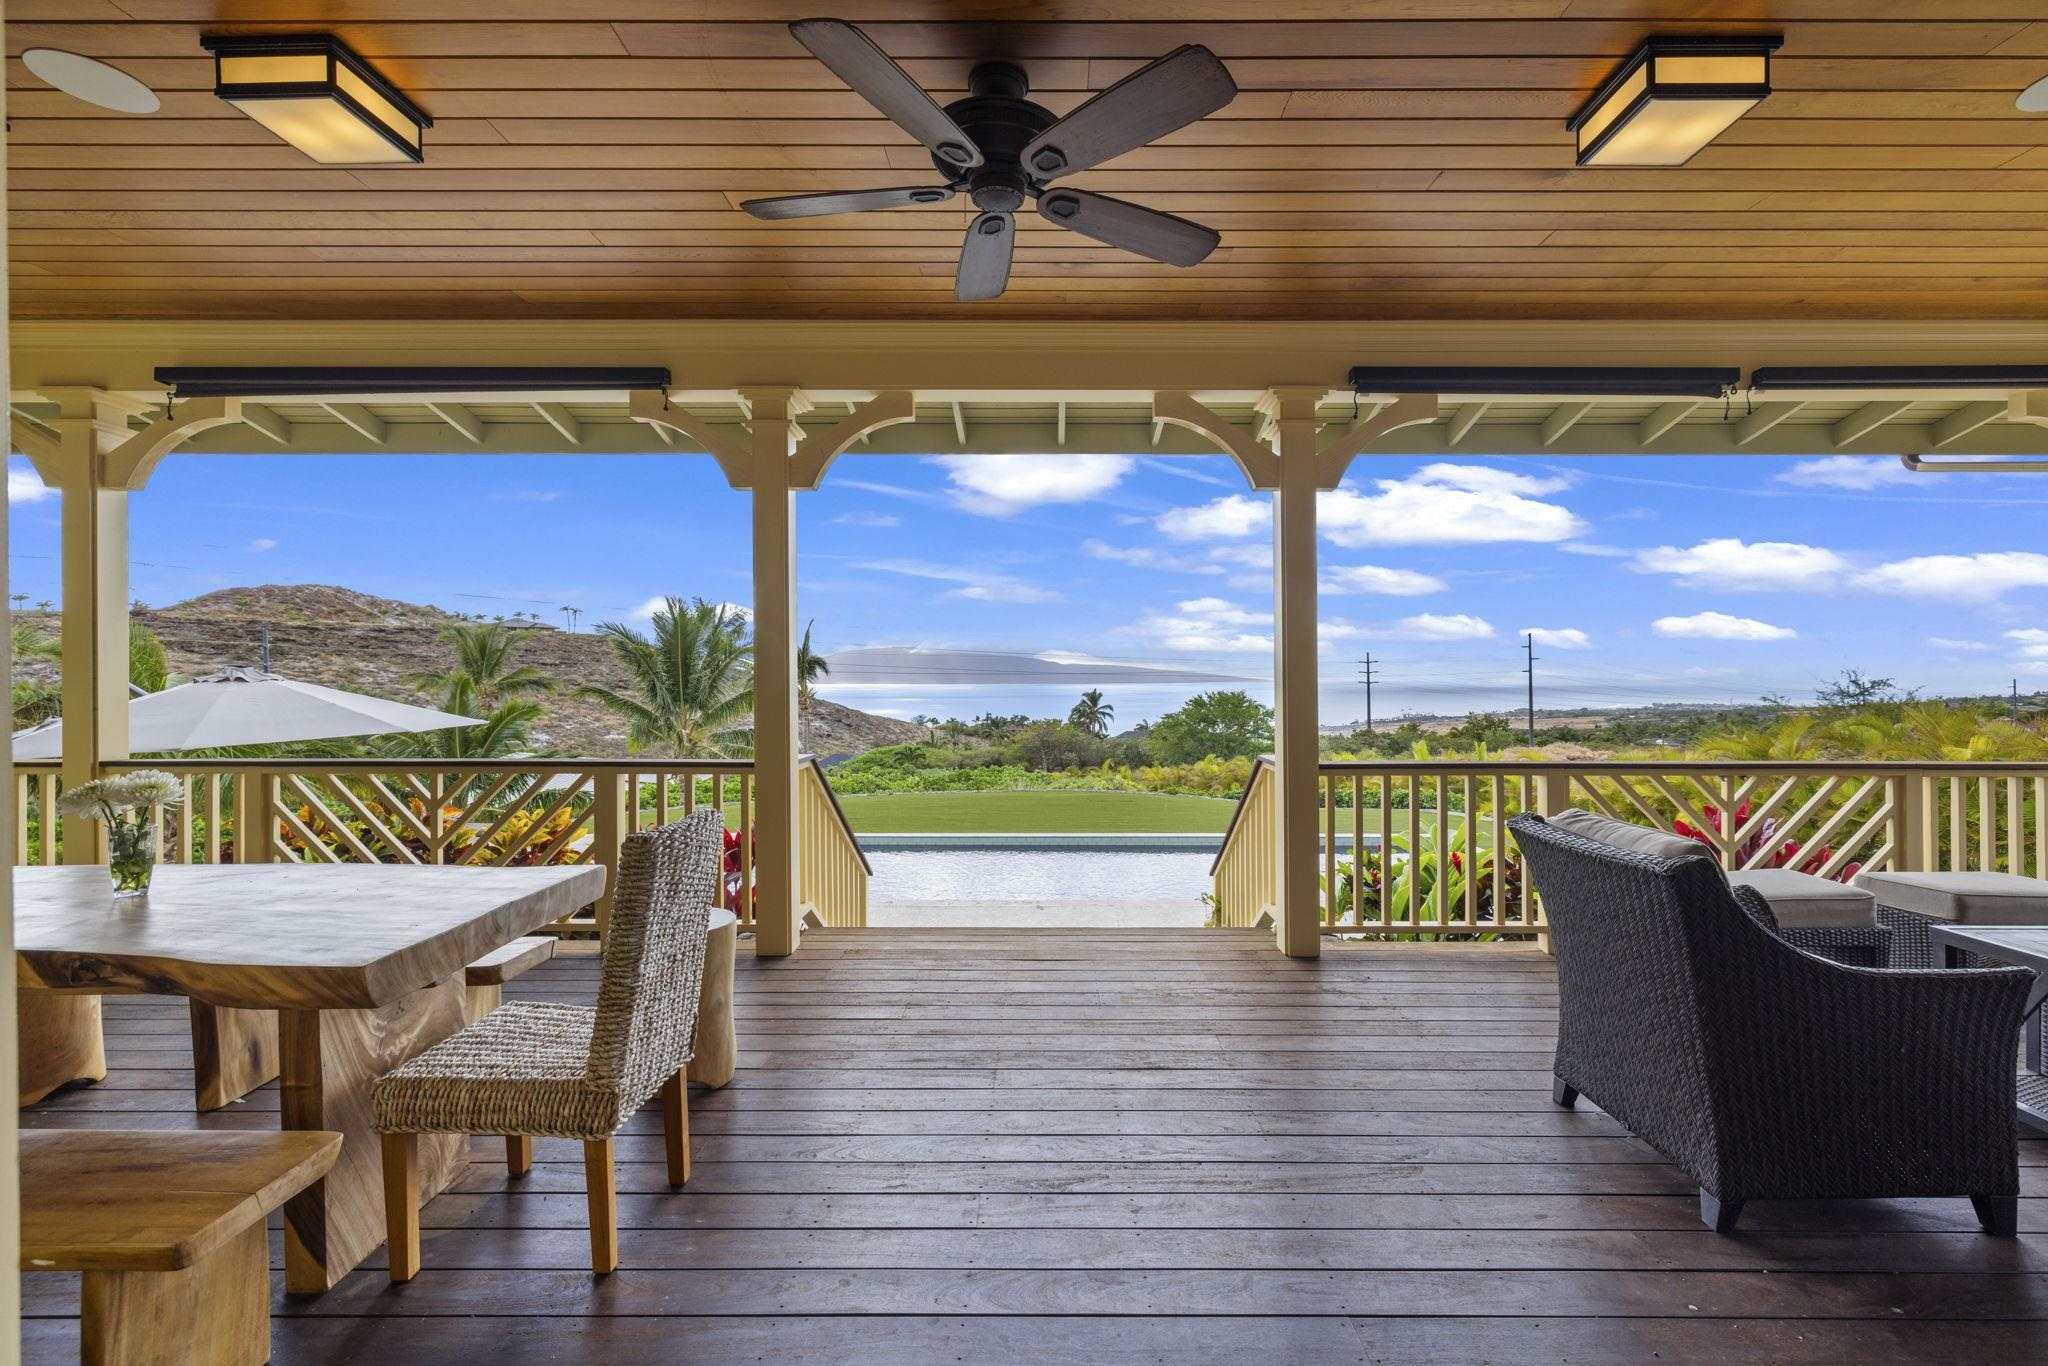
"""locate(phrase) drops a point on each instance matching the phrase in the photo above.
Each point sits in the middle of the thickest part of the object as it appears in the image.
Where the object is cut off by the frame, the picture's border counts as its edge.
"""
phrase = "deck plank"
(1165, 1146)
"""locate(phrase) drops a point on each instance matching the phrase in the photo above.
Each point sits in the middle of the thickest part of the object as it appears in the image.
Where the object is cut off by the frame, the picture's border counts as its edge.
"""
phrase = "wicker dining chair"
(547, 1069)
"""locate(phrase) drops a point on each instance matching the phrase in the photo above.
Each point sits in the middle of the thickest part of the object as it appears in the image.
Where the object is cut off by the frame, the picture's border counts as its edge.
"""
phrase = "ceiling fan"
(1001, 149)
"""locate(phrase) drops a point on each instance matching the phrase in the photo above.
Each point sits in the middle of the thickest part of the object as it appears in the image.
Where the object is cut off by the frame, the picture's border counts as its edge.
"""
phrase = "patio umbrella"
(240, 706)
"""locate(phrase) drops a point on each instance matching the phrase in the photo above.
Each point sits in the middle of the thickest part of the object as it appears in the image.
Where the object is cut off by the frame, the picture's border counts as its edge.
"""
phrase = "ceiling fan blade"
(846, 201)
(1186, 84)
(985, 258)
(1148, 232)
(854, 58)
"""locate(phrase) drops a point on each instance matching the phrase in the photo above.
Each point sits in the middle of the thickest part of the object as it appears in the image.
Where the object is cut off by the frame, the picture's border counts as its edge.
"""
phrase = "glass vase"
(131, 853)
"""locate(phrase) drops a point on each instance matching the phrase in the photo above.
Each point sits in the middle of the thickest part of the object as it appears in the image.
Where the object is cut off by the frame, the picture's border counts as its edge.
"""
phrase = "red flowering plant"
(736, 889)
(1783, 854)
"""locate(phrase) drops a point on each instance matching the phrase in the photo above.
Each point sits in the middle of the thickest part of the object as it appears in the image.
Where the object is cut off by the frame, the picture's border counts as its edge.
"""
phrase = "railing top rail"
(1263, 761)
(546, 766)
(1631, 766)
(838, 812)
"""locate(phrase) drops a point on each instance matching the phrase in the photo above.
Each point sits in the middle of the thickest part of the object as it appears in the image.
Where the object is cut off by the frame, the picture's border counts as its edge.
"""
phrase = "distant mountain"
(345, 639)
(901, 664)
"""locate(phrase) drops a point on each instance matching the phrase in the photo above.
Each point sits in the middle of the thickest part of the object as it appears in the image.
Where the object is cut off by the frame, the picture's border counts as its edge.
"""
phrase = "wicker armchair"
(532, 1069)
(1762, 1071)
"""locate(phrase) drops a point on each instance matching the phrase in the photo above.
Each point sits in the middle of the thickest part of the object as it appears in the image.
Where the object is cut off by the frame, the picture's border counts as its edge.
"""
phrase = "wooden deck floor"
(1127, 1146)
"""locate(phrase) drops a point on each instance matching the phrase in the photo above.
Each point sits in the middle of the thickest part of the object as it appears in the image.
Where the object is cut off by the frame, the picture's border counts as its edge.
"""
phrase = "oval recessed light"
(2034, 99)
(92, 81)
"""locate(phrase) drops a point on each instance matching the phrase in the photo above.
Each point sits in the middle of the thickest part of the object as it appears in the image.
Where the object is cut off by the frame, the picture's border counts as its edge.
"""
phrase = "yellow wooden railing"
(490, 812)
(833, 870)
(1412, 848)
(1244, 869)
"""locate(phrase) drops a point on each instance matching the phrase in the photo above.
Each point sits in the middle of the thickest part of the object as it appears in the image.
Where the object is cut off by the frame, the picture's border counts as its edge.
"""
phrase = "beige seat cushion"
(1802, 901)
(1621, 835)
(1967, 898)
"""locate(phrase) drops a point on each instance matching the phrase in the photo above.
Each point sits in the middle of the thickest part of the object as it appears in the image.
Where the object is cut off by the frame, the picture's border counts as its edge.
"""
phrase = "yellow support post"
(777, 828)
(1296, 738)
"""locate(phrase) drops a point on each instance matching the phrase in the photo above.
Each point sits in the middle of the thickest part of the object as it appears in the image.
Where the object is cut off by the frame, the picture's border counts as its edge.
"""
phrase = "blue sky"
(1647, 579)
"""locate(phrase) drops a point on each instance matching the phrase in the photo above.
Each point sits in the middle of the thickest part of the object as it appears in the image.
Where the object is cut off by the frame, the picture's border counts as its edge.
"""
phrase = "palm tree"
(504, 731)
(1802, 736)
(692, 684)
(484, 665)
(810, 667)
(1092, 714)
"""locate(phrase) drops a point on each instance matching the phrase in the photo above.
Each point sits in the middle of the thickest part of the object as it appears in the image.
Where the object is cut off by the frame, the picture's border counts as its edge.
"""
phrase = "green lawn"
(1036, 813)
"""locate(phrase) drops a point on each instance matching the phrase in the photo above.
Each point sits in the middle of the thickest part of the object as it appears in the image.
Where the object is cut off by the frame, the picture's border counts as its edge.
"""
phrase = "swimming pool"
(983, 875)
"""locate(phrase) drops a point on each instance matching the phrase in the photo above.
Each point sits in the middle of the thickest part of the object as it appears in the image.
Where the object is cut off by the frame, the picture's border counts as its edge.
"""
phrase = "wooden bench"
(236, 1051)
(168, 1229)
(486, 977)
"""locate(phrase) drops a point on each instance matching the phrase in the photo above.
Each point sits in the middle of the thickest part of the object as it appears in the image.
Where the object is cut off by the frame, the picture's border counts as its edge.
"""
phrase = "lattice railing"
(1412, 848)
(487, 813)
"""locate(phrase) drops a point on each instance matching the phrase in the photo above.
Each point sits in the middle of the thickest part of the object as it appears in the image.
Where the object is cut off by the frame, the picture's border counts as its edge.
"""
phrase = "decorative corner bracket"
(1260, 465)
(129, 465)
(815, 453)
(1333, 460)
(652, 407)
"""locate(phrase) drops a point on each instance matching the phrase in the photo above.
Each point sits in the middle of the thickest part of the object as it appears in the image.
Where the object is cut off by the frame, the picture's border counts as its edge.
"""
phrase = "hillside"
(345, 639)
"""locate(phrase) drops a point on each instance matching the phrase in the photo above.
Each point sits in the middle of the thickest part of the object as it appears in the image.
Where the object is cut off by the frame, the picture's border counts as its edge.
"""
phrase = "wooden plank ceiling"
(1386, 159)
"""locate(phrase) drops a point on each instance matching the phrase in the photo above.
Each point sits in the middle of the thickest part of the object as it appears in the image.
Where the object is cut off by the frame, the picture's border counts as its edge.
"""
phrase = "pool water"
(909, 877)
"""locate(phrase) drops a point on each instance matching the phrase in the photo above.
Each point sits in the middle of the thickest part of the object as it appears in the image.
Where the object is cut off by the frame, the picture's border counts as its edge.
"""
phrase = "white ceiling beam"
(1062, 420)
(1664, 419)
(460, 418)
(258, 418)
(1767, 416)
(960, 422)
(1965, 420)
(1867, 419)
(366, 423)
(562, 421)
(1562, 419)
(1464, 420)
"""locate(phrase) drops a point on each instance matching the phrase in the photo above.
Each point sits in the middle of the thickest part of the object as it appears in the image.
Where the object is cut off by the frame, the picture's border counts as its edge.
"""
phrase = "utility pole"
(1529, 668)
(1368, 676)
(266, 649)
(2015, 699)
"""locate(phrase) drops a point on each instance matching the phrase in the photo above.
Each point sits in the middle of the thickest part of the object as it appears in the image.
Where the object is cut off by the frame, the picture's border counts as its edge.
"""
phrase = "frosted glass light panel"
(313, 91)
(1671, 98)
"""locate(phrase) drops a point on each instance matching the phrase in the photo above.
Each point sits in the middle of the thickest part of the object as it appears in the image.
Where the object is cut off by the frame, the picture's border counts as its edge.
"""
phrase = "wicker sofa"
(1763, 1071)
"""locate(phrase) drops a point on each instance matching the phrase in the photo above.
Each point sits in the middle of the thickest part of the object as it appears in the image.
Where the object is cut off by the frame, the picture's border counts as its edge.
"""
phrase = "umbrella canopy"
(240, 706)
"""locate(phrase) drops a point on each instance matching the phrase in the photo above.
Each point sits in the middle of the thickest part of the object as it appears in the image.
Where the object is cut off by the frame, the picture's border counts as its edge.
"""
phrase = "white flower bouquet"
(125, 802)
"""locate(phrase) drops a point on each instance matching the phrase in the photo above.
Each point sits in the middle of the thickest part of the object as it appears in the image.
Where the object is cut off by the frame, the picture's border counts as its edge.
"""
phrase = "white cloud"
(1257, 555)
(1206, 625)
(1720, 626)
(1847, 472)
(1959, 578)
(24, 487)
(1146, 557)
(1558, 638)
(526, 495)
(1944, 643)
(1593, 548)
(261, 544)
(1225, 518)
(878, 520)
(1003, 485)
(1004, 592)
(978, 585)
(1728, 563)
(1432, 626)
(1446, 504)
(2032, 642)
(1373, 578)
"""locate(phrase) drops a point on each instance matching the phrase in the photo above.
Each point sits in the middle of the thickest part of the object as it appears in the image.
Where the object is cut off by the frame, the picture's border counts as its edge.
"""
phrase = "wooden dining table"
(363, 963)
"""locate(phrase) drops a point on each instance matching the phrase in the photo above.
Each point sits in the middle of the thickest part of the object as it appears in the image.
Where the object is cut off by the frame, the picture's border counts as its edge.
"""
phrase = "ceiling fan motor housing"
(1002, 123)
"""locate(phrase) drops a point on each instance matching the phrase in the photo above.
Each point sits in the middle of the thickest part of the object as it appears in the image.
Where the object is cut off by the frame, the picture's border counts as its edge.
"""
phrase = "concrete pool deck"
(1100, 915)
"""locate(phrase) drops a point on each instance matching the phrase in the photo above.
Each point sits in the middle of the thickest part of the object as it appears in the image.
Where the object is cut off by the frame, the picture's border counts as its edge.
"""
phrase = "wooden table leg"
(233, 1053)
(331, 1060)
(716, 1055)
(60, 1041)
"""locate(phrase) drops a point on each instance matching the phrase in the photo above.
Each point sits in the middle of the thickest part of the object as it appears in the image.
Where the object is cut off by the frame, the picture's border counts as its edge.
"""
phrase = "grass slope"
(1036, 813)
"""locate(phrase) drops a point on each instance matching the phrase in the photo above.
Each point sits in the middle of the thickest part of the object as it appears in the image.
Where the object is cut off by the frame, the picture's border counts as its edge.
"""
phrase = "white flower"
(102, 798)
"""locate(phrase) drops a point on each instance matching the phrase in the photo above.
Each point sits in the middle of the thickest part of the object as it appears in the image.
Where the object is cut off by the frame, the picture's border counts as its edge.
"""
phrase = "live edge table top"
(281, 936)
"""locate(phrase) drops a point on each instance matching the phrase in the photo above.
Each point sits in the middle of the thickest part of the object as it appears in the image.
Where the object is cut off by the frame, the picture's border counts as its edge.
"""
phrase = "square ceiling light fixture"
(313, 91)
(1672, 97)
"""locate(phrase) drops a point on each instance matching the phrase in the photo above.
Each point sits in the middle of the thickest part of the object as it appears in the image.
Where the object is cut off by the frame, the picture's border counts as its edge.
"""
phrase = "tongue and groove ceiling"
(1405, 159)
